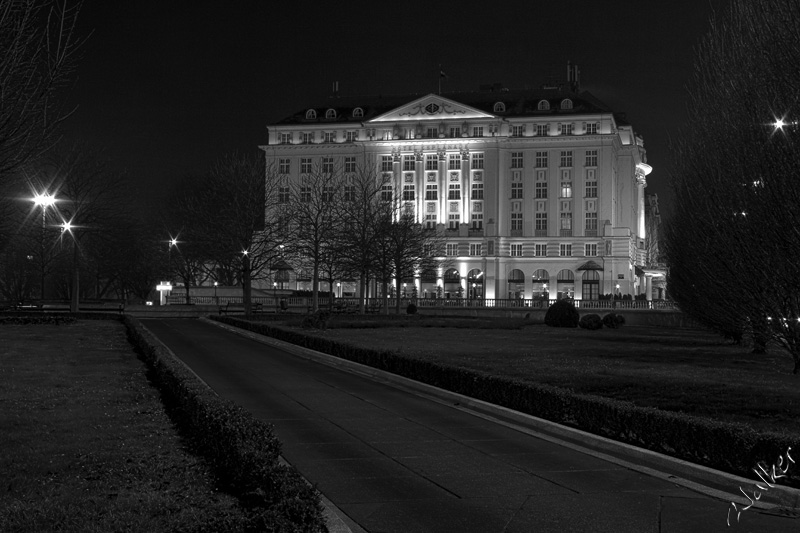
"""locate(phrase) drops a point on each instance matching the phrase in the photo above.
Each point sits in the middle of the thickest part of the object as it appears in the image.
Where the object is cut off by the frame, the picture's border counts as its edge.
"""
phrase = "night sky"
(166, 87)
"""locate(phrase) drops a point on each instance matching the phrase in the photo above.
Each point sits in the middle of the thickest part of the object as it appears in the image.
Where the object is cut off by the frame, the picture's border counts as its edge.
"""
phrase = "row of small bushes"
(44, 317)
(730, 447)
(241, 450)
(563, 314)
(323, 319)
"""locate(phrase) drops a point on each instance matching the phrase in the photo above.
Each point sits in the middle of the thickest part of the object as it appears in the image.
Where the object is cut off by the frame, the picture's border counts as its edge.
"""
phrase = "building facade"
(540, 193)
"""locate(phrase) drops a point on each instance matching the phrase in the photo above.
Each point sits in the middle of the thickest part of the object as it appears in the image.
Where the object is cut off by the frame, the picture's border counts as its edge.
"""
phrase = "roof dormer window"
(330, 113)
(358, 112)
(544, 105)
(499, 107)
(311, 114)
(566, 103)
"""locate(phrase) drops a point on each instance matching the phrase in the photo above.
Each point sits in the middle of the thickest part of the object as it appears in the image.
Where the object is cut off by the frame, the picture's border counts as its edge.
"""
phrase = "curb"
(698, 478)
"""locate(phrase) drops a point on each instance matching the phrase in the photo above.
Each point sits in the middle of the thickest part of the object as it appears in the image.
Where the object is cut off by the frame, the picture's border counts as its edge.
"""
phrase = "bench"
(238, 307)
(345, 307)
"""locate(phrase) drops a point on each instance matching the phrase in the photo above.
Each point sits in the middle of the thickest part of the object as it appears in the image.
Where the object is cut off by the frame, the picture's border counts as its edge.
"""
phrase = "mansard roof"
(517, 103)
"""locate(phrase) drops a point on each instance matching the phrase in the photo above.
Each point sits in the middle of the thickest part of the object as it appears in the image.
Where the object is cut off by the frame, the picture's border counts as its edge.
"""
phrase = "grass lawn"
(672, 369)
(86, 444)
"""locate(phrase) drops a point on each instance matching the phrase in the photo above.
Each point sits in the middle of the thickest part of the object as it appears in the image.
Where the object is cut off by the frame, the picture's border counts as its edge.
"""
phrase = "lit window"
(566, 189)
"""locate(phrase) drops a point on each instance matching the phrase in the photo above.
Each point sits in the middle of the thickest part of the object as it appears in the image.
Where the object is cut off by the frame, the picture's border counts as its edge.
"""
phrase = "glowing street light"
(43, 200)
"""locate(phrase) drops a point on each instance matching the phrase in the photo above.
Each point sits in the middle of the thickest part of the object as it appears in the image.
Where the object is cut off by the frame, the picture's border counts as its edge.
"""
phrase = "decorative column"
(642, 170)
(465, 190)
(419, 186)
(442, 156)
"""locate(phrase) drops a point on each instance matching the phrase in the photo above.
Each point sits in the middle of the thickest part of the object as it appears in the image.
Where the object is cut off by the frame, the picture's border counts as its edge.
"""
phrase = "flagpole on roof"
(441, 75)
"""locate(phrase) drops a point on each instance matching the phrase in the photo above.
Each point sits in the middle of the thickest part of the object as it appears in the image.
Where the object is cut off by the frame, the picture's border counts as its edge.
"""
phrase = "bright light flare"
(779, 124)
(44, 199)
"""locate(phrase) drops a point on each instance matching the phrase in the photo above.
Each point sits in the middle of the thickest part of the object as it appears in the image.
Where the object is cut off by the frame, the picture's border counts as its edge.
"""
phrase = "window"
(327, 193)
(516, 159)
(327, 165)
(430, 192)
(566, 129)
(477, 161)
(285, 138)
(590, 250)
(499, 107)
(431, 162)
(307, 138)
(566, 103)
(349, 193)
(408, 192)
(477, 191)
(516, 250)
(349, 164)
(591, 128)
(543, 130)
(544, 105)
(516, 190)
(453, 220)
(477, 131)
(386, 192)
(454, 191)
(591, 189)
(516, 221)
(566, 222)
(566, 158)
(540, 250)
(408, 162)
(432, 133)
(477, 220)
(386, 163)
(565, 250)
(358, 112)
(566, 189)
(454, 162)
(541, 159)
(283, 193)
(430, 220)
(305, 192)
(475, 249)
(452, 249)
(591, 158)
(330, 113)
(517, 130)
(305, 165)
(351, 136)
(541, 187)
(311, 114)
(455, 132)
(591, 224)
(329, 137)
(541, 224)
(284, 166)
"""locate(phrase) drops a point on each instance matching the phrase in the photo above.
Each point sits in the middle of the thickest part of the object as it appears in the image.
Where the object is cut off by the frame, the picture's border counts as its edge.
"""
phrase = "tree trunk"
(246, 289)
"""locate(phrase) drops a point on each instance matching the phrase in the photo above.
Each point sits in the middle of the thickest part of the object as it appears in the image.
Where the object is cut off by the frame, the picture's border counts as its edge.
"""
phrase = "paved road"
(394, 461)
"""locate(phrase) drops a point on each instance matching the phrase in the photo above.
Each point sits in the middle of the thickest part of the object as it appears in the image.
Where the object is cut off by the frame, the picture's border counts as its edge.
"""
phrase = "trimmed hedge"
(613, 321)
(726, 446)
(241, 450)
(562, 314)
(591, 322)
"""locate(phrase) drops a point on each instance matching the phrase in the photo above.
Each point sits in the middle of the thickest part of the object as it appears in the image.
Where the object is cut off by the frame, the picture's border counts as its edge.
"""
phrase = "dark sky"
(166, 87)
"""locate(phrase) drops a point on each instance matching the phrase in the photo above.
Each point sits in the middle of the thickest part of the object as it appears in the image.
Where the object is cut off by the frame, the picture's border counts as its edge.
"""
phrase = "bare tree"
(731, 242)
(38, 54)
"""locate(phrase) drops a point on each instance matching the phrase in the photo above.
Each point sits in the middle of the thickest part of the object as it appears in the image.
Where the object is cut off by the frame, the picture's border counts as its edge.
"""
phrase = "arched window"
(544, 105)
(541, 275)
(566, 284)
(591, 285)
(358, 112)
(499, 107)
(330, 113)
(311, 114)
(540, 289)
(452, 276)
(566, 103)
(516, 285)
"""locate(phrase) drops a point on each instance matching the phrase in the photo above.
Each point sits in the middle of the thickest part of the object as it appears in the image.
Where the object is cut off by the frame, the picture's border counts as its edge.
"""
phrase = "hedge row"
(730, 447)
(241, 450)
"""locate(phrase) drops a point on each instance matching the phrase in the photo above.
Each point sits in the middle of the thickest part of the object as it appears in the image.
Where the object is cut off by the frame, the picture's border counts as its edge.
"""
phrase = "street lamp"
(216, 300)
(67, 227)
(43, 200)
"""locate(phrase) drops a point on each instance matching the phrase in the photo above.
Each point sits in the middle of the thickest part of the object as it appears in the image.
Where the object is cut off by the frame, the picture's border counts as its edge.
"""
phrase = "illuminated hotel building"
(540, 193)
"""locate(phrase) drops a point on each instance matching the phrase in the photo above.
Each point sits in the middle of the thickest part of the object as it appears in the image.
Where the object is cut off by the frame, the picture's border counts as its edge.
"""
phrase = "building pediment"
(431, 107)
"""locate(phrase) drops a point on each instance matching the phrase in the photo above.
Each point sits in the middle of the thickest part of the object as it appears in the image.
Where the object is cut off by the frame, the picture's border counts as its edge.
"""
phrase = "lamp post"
(339, 288)
(172, 242)
(216, 300)
(43, 200)
(67, 227)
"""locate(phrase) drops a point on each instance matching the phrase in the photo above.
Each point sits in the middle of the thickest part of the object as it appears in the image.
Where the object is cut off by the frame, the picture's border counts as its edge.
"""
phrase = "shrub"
(411, 309)
(613, 320)
(316, 320)
(562, 314)
(592, 321)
